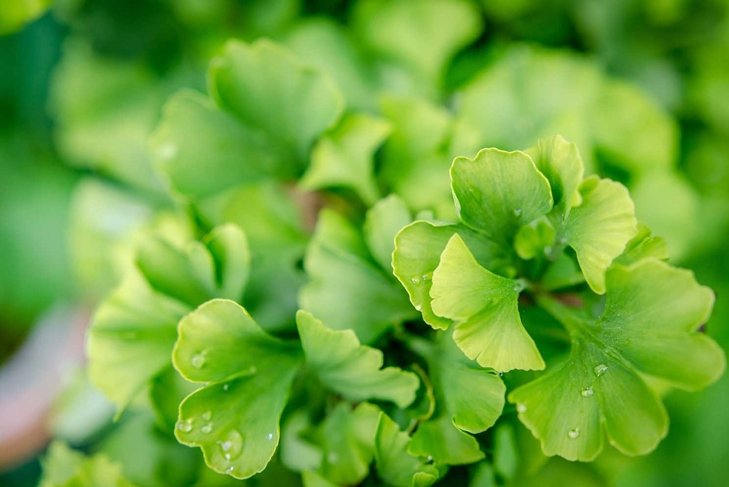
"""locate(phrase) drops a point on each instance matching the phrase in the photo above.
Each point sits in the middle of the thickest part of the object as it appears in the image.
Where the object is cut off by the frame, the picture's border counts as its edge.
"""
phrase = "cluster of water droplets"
(419, 279)
(599, 370)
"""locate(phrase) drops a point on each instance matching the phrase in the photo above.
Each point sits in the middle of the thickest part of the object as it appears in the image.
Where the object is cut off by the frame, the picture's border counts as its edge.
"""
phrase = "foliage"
(361, 253)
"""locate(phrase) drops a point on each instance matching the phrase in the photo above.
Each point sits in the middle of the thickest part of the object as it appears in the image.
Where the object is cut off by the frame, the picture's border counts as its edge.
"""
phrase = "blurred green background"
(82, 83)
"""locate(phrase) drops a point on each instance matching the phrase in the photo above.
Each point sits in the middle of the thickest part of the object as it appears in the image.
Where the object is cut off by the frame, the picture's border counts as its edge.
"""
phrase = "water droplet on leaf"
(521, 408)
(232, 445)
(207, 415)
(229, 470)
(587, 392)
(226, 387)
(573, 434)
(269, 436)
(600, 370)
(415, 280)
(207, 428)
(198, 360)
(184, 426)
(517, 212)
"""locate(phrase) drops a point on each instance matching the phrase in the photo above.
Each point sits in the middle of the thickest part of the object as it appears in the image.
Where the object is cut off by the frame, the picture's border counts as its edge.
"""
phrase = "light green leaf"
(196, 143)
(297, 452)
(417, 155)
(382, 222)
(534, 238)
(134, 329)
(63, 467)
(235, 418)
(131, 337)
(642, 246)
(497, 192)
(399, 30)
(600, 227)
(345, 157)
(267, 89)
(560, 162)
(394, 464)
(327, 44)
(418, 247)
(440, 440)
(485, 308)
(351, 369)
(648, 327)
(469, 395)
(632, 130)
(347, 437)
(347, 289)
(104, 109)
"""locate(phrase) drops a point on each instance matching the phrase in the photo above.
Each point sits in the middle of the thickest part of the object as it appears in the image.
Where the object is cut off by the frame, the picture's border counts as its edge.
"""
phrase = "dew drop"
(207, 428)
(429, 459)
(184, 426)
(229, 470)
(587, 392)
(226, 387)
(600, 370)
(521, 408)
(269, 436)
(573, 434)
(415, 280)
(198, 360)
(425, 277)
(418, 307)
(207, 415)
(517, 212)
(232, 445)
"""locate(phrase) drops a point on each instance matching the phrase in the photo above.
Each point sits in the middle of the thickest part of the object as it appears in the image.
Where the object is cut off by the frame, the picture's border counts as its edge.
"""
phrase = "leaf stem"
(567, 316)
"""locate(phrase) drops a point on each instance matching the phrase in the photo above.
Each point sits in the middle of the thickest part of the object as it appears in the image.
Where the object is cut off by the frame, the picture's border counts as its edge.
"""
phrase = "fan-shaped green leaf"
(485, 309)
(235, 418)
(394, 464)
(497, 192)
(351, 369)
(648, 327)
(600, 227)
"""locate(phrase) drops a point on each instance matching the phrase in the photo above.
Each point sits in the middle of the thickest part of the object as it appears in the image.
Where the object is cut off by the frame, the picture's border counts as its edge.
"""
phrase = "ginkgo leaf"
(394, 464)
(497, 192)
(560, 162)
(484, 307)
(268, 89)
(351, 369)
(649, 327)
(444, 443)
(193, 129)
(600, 227)
(347, 437)
(642, 246)
(418, 247)
(382, 223)
(345, 157)
(134, 329)
(235, 417)
(389, 27)
(131, 337)
(471, 396)
(347, 288)
(63, 467)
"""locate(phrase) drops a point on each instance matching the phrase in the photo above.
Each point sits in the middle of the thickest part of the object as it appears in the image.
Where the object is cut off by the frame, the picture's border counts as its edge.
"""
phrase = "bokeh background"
(83, 82)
